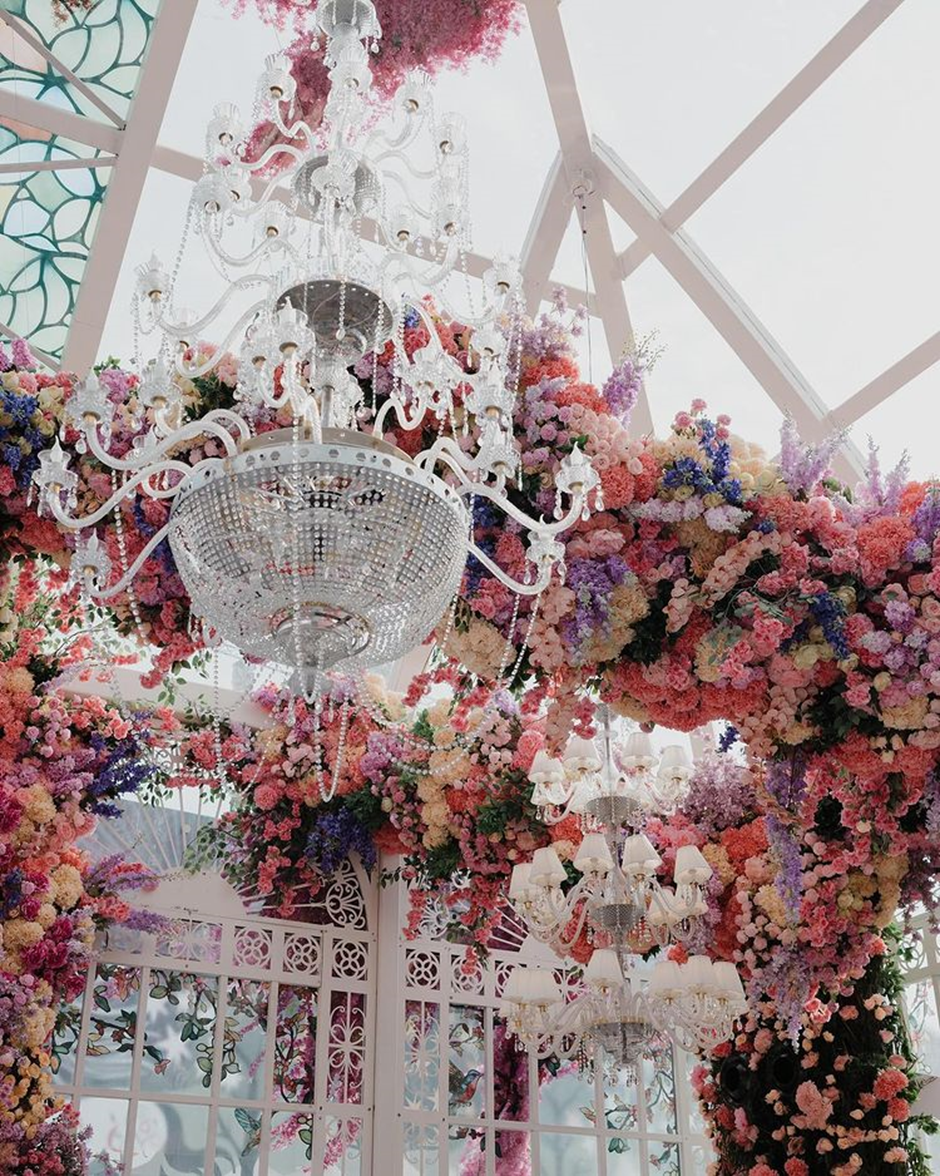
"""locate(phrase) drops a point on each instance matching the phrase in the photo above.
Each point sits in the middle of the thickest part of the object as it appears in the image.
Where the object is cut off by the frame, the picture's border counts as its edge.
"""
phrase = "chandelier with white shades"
(619, 898)
(319, 545)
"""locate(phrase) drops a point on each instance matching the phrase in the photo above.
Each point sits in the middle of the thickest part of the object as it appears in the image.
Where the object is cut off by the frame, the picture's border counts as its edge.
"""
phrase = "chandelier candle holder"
(320, 546)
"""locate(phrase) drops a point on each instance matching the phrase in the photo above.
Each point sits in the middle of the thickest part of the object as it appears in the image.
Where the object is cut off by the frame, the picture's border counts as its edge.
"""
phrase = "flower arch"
(715, 584)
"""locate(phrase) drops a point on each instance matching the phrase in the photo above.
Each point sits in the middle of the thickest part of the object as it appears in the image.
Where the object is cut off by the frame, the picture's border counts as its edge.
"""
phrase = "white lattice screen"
(467, 1105)
(243, 1046)
(233, 1045)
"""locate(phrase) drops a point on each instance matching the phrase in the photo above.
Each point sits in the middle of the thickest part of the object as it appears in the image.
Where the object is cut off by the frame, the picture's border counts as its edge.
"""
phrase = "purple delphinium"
(785, 977)
(720, 795)
(623, 387)
(803, 466)
(593, 582)
(785, 780)
(926, 523)
(786, 849)
(334, 836)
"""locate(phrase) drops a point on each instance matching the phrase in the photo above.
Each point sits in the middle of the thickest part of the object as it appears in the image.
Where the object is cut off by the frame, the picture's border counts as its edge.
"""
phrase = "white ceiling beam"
(191, 167)
(838, 49)
(22, 30)
(890, 381)
(26, 167)
(43, 116)
(164, 50)
(577, 154)
(545, 235)
(729, 315)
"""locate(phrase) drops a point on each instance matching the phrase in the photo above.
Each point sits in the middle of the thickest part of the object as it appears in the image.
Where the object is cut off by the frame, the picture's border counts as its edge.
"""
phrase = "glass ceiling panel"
(909, 420)
(512, 140)
(47, 223)
(669, 84)
(103, 46)
(830, 231)
(696, 362)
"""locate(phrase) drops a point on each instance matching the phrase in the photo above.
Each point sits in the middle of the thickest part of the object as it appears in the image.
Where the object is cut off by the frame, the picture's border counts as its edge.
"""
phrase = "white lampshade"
(582, 756)
(545, 769)
(699, 974)
(594, 855)
(639, 856)
(549, 792)
(674, 762)
(660, 913)
(515, 986)
(691, 866)
(603, 970)
(638, 751)
(520, 882)
(542, 987)
(729, 982)
(546, 869)
(665, 979)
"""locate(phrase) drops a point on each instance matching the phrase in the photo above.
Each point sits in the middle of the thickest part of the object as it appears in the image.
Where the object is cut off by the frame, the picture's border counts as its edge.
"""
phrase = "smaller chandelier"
(613, 1019)
(618, 891)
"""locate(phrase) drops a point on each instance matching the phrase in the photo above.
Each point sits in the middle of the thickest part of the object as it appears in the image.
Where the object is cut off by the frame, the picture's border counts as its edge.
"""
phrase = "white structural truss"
(587, 178)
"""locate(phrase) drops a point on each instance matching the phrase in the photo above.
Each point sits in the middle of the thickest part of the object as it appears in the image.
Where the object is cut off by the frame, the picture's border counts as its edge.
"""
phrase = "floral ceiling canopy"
(725, 184)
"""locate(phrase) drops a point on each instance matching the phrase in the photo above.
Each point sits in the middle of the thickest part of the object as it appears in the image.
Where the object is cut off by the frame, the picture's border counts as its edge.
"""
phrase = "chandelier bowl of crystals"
(330, 555)
(312, 541)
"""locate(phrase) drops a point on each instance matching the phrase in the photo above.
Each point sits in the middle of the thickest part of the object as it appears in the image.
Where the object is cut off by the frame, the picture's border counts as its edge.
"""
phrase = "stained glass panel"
(103, 46)
(295, 1044)
(112, 1027)
(47, 224)
(467, 1061)
(180, 1026)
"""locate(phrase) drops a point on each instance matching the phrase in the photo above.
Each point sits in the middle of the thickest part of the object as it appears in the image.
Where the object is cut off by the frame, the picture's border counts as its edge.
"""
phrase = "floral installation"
(64, 762)
(818, 1079)
(715, 584)
(836, 1103)
(448, 34)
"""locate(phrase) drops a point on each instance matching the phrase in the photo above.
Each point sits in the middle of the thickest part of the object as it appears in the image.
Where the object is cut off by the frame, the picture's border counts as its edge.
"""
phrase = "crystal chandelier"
(618, 891)
(613, 1018)
(319, 545)
(620, 900)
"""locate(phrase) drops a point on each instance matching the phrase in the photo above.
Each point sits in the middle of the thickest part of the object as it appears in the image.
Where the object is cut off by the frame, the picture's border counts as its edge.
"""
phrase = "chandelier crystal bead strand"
(320, 546)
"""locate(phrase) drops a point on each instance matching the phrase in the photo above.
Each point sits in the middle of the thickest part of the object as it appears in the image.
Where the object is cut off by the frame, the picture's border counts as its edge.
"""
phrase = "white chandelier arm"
(152, 544)
(179, 330)
(555, 814)
(411, 271)
(265, 247)
(411, 127)
(485, 490)
(300, 127)
(418, 173)
(541, 582)
(76, 524)
(193, 370)
(206, 424)
(408, 423)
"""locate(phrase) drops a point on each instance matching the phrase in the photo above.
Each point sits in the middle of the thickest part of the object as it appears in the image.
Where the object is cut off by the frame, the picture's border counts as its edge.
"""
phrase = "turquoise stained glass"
(103, 46)
(48, 218)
